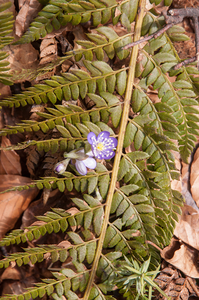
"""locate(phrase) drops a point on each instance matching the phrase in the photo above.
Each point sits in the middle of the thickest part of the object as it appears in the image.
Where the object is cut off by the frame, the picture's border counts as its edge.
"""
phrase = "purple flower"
(102, 145)
(61, 166)
(81, 161)
(82, 165)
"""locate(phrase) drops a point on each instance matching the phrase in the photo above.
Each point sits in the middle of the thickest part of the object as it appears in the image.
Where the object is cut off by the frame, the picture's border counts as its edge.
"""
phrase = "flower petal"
(113, 141)
(102, 136)
(108, 154)
(90, 163)
(60, 168)
(81, 168)
(90, 153)
(91, 137)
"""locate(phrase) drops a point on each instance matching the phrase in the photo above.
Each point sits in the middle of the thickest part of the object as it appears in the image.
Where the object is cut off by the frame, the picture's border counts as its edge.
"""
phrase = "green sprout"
(131, 276)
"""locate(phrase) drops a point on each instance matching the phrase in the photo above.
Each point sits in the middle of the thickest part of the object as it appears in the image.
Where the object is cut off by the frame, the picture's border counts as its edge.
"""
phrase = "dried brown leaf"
(38, 208)
(22, 57)
(48, 51)
(65, 244)
(11, 273)
(194, 177)
(13, 203)
(187, 229)
(18, 287)
(182, 257)
(9, 160)
(170, 280)
(27, 13)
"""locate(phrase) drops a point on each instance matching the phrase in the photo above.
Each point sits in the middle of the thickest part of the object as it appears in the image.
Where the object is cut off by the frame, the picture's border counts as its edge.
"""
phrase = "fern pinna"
(123, 202)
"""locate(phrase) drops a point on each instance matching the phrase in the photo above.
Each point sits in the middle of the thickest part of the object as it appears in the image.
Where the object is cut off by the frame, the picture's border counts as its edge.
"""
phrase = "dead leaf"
(187, 229)
(18, 287)
(194, 177)
(9, 160)
(44, 47)
(5, 91)
(27, 13)
(11, 273)
(22, 57)
(13, 203)
(65, 244)
(183, 257)
(176, 185)
(48, 51)
(170, 280)
(38, 208)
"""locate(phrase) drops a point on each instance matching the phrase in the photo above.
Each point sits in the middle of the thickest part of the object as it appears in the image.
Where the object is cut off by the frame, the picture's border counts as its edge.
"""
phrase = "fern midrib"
(54, 180)
(123, 124)
(122, 237)
(43, 251)
(132, 204)
(78, 51)
(87, 10)
(153, 109)
(33, 93)
(52, 118)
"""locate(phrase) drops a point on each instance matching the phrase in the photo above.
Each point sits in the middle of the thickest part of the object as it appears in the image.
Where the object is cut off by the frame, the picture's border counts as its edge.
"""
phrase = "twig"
(149, 37)
(176, 16)
(195, 21)
(154, 245)
(185, 62)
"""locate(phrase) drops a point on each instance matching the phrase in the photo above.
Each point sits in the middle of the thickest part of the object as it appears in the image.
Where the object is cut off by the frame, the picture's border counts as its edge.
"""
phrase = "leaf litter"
(181, 254)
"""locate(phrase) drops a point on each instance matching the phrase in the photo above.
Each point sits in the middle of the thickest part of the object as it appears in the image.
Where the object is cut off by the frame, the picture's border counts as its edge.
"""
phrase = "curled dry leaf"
(25, 16)
(187, 229)
(9, 160)
(13, 203)
(183, 257)
(194, 177)
(11, 273)
(48, 51)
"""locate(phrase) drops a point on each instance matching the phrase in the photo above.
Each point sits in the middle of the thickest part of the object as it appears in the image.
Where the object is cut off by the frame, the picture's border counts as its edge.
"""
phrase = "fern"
(128, 201)
(58, 13)
(6, 25)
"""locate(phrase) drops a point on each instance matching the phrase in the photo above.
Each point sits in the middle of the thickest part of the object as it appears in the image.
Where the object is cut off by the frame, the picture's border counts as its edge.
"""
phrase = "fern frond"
(69, 181)
(6, 25)
(59, 13)
(72, 122)
(158, 57)
(120, 207)
(106, 42)
(65, 280)
(73, 85)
